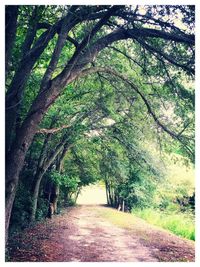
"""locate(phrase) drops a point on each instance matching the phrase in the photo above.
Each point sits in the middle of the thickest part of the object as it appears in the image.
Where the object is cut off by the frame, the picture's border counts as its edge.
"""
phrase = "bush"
(21, 209)
(42, 208)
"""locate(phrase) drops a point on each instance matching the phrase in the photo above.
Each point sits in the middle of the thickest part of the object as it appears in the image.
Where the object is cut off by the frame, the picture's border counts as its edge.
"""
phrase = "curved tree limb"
(188, 39)
(135, 88)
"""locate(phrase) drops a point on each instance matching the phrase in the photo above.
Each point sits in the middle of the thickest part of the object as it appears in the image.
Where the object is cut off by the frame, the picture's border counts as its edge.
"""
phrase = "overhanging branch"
(134, 87)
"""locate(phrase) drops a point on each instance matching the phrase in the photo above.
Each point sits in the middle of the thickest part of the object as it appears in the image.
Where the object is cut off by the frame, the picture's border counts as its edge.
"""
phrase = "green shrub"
(42, 208)
(21, 209)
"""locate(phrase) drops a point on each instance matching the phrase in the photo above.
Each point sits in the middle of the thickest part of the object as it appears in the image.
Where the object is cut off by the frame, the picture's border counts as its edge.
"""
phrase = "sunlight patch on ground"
(92, 194)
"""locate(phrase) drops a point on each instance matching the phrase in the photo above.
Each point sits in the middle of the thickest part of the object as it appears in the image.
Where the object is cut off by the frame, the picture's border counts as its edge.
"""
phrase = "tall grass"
(181, 224)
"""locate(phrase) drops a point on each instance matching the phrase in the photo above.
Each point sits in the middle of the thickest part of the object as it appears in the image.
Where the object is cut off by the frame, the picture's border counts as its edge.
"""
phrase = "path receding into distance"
(96, 233)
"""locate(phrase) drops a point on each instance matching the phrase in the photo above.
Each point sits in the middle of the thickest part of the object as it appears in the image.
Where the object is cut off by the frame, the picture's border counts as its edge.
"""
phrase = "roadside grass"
(118, 218)
(181, 224)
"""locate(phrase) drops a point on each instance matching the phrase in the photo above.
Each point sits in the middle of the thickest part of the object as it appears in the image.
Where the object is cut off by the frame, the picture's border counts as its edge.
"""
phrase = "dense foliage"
(96, 93)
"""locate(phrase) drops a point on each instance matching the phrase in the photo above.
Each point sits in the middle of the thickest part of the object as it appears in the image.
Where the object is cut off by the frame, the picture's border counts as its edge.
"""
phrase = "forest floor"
(94, 233)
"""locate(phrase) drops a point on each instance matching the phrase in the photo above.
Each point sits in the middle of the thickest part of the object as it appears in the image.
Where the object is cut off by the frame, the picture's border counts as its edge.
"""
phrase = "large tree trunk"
(11, 27)
(14, 165)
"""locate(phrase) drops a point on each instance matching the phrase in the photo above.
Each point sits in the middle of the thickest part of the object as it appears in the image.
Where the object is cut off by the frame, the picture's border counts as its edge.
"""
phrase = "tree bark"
(10, 196)
(43, 167)
(77, 194)
(11, 28)
(38, 176)
(107, 193)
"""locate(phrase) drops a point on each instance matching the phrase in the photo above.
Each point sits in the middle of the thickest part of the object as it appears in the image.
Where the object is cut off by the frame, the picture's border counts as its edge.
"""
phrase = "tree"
(84, 32)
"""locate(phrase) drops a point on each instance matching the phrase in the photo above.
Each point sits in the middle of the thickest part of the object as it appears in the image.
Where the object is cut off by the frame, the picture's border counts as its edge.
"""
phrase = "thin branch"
(185, 127)
(165, 56)
(126, 55)
(73, 41)
(52, 130)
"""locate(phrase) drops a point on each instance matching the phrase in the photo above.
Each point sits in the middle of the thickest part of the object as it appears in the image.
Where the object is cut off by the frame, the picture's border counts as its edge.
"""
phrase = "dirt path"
(98, 234)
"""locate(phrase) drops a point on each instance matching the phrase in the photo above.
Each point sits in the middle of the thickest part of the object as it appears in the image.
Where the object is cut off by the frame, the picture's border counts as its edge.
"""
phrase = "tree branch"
(73, 41)
(126, 55)
(52, 130)
(144, 32)
(67, 24)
